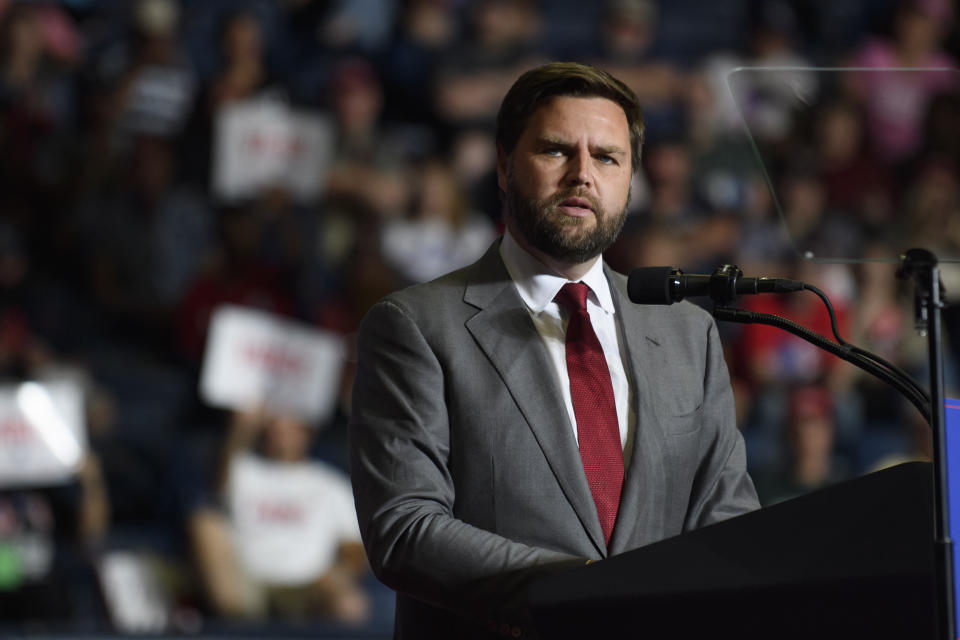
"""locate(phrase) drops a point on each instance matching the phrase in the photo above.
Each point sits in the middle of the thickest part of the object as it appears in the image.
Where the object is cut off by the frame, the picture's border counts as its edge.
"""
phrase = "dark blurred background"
(160, 158)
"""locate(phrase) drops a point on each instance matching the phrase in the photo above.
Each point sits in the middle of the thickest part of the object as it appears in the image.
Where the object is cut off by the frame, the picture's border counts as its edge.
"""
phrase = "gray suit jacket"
(466, 474)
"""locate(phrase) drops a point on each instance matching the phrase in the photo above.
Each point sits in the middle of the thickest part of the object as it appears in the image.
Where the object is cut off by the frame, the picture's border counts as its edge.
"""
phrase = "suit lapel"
(643, 500)
(503, 329)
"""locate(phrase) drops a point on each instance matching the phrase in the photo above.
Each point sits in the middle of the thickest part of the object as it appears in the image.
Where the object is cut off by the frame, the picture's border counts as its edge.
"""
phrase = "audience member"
(812, 462)
(855, 182)
(441, 233)
(895, 101)
(285, 544)
(38, 116)
(240, 72)
(368, 163)
(625, 40)
(236, 273)
(425, 32)
(49, 537)
(153, 93)
(501, 43)
(141, 243)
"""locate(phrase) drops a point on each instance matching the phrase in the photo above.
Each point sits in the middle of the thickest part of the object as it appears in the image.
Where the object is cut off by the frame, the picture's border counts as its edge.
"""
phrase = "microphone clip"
(723, 284)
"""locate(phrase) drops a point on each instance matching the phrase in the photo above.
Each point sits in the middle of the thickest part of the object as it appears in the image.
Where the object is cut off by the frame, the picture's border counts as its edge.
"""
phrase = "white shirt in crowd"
(289, 519)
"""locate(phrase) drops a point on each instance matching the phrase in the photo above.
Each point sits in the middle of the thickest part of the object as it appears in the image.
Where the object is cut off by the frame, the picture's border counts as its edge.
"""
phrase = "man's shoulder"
(444, 299)
(451, 287)
(436, 294)
(447, 286)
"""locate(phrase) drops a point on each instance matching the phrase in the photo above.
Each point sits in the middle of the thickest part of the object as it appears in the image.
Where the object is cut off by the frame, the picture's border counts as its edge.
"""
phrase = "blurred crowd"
(120, 235)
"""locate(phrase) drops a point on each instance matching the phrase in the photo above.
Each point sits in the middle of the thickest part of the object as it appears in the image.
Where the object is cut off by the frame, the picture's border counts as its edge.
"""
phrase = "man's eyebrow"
(609, 150)
(548, 140)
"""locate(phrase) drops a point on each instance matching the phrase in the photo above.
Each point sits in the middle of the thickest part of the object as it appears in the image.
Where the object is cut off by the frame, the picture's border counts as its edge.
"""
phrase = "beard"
(565, 238)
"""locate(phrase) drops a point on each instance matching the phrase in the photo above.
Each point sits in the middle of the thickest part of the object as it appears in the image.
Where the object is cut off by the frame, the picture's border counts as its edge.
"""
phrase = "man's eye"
(605, 159)
(556, 153)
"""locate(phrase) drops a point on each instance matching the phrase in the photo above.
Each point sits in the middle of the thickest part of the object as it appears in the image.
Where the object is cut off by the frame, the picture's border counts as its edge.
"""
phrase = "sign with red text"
(263, 143)
(42, 433)
(255, 359)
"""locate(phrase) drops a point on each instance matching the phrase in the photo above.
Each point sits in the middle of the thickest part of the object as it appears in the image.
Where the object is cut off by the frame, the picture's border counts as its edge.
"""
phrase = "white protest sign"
(263, 142)
(256, 359)
(42, 433)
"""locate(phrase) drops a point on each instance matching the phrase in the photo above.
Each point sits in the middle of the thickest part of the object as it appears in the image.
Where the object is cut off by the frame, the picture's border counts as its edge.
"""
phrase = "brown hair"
(538, 85)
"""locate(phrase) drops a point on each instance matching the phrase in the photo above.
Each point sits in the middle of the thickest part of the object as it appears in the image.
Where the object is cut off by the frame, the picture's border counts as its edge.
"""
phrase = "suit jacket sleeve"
(404, 487)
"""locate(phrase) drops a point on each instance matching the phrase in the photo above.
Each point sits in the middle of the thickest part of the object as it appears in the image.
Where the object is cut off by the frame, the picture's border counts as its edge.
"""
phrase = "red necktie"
(598, 431)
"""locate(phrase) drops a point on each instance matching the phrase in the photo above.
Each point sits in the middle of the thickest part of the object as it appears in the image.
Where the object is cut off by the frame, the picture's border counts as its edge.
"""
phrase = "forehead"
(601, 120)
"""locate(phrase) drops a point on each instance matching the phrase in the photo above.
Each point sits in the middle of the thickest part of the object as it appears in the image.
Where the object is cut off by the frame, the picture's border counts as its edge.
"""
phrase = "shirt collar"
(538, 285)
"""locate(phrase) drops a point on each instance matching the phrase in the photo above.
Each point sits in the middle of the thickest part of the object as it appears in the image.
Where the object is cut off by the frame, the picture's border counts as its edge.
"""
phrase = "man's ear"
(503, 161)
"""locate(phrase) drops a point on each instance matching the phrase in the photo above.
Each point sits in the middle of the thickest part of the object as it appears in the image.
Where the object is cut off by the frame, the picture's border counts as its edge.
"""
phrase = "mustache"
(555, 200)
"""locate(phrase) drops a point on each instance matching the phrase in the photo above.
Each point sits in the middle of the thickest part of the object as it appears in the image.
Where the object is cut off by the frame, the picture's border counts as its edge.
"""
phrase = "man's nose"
(579, 168)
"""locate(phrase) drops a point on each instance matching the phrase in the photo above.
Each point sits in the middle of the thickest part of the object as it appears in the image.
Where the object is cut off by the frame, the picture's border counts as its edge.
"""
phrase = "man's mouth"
(578, 207)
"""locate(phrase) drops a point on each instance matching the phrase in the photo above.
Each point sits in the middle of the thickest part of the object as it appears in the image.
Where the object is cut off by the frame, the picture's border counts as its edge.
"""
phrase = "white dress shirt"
(537, 287)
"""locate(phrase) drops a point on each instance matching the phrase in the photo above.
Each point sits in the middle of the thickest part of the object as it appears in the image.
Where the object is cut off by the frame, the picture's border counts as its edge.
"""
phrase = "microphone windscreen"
(650, 285)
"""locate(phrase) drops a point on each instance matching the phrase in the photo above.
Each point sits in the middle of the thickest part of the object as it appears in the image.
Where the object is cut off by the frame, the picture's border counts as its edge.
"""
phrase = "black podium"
(855, 560)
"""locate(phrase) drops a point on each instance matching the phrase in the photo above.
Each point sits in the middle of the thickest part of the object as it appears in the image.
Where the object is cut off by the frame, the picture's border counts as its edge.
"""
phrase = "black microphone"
(666, 285)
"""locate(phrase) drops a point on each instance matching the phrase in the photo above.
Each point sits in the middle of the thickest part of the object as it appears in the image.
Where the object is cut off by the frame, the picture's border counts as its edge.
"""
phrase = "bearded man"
(520, 415)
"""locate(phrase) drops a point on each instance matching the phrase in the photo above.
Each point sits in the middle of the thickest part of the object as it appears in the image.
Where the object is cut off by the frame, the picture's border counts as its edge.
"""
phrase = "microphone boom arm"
(844, 352)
